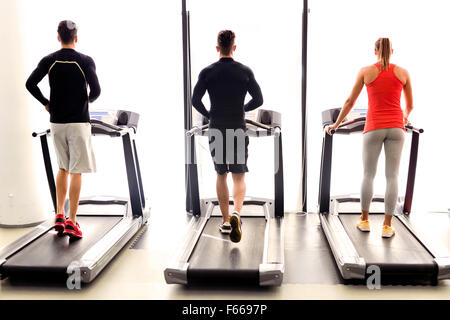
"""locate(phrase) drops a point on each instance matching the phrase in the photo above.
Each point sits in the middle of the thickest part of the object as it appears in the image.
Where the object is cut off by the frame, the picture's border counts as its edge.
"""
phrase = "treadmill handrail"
(40, 134)
(344, 124)
(326, 158)
(259, 125)
(103, 202)
(408, 127)
(275, 132)
(120, 129)
(198, 130)
(137, 197)
(108, 125)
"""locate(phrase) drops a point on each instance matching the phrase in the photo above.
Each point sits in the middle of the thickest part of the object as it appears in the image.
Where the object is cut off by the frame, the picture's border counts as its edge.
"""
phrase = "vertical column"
(191, 173)
(20, 204)
(304, 179)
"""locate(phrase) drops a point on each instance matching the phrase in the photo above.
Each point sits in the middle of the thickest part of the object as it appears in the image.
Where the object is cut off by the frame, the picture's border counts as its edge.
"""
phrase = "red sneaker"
(72, 230)
(60, 223)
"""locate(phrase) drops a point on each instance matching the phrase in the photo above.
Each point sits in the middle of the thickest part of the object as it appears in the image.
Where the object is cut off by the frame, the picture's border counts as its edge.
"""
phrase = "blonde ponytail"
(384, 48)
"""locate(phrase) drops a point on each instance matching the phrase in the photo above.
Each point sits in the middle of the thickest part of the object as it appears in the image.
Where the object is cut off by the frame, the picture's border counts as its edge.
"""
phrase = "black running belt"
(402, 254)
(217, 259)
(53, 254)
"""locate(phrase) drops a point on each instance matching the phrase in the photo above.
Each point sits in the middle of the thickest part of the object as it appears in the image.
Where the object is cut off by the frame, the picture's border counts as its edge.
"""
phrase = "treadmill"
(209, 257)
(403, 258)
(108, 222)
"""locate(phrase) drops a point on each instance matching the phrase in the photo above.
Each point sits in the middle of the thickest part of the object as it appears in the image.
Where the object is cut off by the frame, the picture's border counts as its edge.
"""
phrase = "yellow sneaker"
(363, 225)
(387, 232)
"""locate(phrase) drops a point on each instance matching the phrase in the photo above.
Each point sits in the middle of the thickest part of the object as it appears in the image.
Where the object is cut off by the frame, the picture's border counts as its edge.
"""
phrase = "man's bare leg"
(61, 190)
(223, 196)
(74, 195)
(239, 190)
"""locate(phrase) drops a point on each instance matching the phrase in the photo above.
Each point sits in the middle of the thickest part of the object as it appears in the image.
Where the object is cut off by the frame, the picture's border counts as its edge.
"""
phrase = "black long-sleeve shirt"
(227, 83)
(69, 73)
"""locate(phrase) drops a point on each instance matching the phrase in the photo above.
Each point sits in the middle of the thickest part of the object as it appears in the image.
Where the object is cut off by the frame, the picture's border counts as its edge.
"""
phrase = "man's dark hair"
(67, 31)
(225, 41)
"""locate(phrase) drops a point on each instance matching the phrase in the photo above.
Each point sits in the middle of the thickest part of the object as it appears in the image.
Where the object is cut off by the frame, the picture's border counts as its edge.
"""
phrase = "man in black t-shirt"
(69, 73)
(227, 82)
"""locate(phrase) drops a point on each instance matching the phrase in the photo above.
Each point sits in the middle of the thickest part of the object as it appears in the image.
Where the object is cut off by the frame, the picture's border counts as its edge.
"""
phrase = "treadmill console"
(330, 116)
(116, 117)
(269, 117)
(354, 122)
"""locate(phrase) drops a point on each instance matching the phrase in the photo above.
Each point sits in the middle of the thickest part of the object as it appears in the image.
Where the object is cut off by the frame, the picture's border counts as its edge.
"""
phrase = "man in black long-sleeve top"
(69, 73)
(227, 83)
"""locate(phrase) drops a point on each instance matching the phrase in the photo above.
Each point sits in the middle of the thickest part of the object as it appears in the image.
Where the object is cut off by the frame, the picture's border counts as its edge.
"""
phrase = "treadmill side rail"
(99, 255)
(271, 274)
(2, 261)
(432, 249)
(443, 268)
(27, 238)
(177, 275)
(271, 270)
(350, 264)
(274, 242)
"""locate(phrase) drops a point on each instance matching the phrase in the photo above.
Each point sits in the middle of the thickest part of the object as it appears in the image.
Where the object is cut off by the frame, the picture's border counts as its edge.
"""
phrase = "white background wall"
(20, 199)
(268, 40)
(137, 49)
(342, 36)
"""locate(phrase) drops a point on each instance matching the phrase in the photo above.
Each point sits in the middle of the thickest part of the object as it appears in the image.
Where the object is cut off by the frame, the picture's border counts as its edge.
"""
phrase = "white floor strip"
(216, 238)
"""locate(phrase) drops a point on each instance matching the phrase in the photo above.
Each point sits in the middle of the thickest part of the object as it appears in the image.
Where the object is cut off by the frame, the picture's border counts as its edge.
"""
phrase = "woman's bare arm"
(407, 88)
(348, 105)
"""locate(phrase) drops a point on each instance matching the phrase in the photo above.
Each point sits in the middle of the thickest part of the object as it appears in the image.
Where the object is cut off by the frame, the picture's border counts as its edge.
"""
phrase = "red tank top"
(384, 95)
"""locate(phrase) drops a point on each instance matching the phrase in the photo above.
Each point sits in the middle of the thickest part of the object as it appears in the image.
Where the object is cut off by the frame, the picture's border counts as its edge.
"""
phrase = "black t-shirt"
(69, 73)
(227, 83)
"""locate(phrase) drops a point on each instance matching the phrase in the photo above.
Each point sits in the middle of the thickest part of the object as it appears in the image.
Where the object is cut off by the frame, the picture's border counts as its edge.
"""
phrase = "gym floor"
(137, 271)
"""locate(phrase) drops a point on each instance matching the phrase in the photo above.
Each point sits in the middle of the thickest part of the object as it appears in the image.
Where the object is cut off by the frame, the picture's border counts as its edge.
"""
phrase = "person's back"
(384, 90)
(69, 73)
(68, 83)
(228, 82)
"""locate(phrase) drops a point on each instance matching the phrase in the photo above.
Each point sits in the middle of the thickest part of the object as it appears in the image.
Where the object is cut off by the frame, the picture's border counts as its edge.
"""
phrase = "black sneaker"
(225, 228)
(236, 229)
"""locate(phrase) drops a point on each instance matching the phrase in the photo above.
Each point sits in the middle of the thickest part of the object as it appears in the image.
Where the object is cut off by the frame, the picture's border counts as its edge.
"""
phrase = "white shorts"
(73, 147)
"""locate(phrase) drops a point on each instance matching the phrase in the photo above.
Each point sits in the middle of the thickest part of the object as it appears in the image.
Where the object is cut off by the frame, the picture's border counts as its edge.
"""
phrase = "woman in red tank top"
(384, 100)
(385, 123)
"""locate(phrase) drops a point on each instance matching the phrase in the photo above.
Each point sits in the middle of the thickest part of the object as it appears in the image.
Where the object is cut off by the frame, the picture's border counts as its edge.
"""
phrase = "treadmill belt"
(401, 254)
(215, 257)
(53, 254)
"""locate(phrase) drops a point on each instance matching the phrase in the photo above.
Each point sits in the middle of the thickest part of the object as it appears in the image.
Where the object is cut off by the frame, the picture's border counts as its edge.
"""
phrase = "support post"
(325, 174)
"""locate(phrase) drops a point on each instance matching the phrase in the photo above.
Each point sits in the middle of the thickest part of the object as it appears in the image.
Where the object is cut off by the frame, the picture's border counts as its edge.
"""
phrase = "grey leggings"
(393, 139)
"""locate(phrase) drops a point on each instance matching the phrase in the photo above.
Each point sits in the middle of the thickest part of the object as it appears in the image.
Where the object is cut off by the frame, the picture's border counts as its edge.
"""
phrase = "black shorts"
(229, 150)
